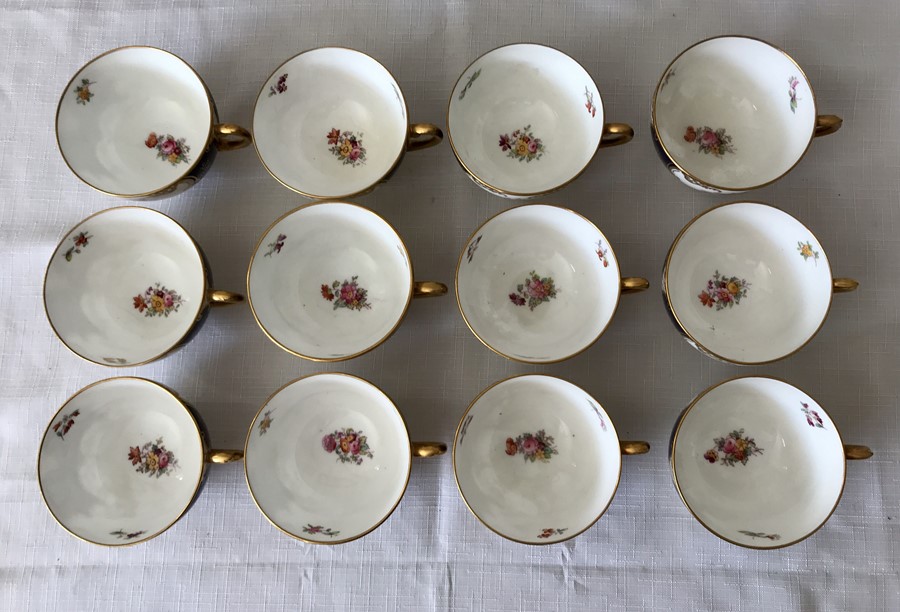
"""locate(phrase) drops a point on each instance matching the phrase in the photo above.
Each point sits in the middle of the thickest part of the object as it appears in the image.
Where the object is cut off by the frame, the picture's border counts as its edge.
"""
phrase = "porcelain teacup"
(139, 122)
(526, 119)
(734, 113)
(329, 281)
(122, 460)
(333, 123)
(127, 286)
(537, 460)
(748, 283)
(539, 283)
(328, 458)
(759, 462)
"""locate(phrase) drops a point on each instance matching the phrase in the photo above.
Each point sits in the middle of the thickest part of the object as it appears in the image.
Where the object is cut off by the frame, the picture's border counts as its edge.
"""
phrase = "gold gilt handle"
(427, 449)
(634, 447)
(224, 298)
(230, 137)
(856, 452)
(219, 455)
(844, 285)
(827, 124)
(428, 289)
(634, 284)
(422, 136)
(615, 134)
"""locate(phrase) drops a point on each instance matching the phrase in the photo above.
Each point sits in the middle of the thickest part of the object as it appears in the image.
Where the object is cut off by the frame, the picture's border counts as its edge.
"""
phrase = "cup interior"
(330, 122)
(758, 462)
(124, 286)
(330, 281)
(538, 283)
(328, 458)
(133, 121)
(734, 112)
(748, 282)
(525, 119)
(537, 459)
(120, 462)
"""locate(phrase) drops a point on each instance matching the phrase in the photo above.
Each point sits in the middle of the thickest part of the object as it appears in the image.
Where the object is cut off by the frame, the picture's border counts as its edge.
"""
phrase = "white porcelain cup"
(139, 122)
(539, 283)
(759, 462)
(328, 458)
(127, 286)
(333, 123)
(123, 460)
(538, 460)
(526, 119)
(748, 283)
(330, 281)
(734, 113)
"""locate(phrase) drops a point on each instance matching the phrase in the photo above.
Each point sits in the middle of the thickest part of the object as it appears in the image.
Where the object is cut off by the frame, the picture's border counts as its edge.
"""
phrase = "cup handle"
(221, 455)
(634, 447)
(231, 137)
(427, 449)
(844, 285)
(224, 298)
(827, 124)
(428, 132)
(428, 289)
(615, 134)
(856, 452)
(634, 284)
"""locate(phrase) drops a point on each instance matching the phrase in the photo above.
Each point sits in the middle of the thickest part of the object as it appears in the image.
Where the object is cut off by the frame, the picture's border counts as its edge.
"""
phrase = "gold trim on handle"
(827, 124)
(615, 134)
(634, 447)
(427, 449)
(428, 289)
(857, 452)
(423, 136)
(219, 455)
(231, 137)
(634, 284)
(844, 285)
(224, 298)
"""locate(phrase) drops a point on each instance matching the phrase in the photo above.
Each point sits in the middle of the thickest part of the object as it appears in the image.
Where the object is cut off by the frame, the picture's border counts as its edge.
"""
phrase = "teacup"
(329, 281)
(537, 460)
(127, 286)
(123, 460)
(139, 122)
(748, 283)
(526, 119)
(328, 458)
(539, 283)
(734, 113)
(333, 123)
(759, 462)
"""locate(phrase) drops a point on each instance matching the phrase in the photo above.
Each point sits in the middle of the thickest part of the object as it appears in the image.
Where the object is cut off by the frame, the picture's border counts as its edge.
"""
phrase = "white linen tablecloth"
(647, 552)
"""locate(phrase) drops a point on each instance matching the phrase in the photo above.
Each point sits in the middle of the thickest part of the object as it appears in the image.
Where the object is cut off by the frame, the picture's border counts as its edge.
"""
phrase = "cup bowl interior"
(120, 462)
(537, 459)
(330, 281)
(330, 122)
(525, 119)
(133, 121)
(758, 462)
(124, 286)
(748, 282)
(328, 458)
(734, 112)
(538, 283)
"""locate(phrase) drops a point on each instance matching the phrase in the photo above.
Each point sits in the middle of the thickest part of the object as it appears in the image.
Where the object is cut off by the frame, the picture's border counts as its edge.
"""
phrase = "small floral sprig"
(346, 295)
(812, 417)
(168, 148)
(275, 247)
(152, 458)
(318, 529)
(806, 251)
(792, 92)
(280, 87)
(522, 145)
(347, 147)
(470, 252)
(723, 292)
(80, 241)
(760, 534)
(64, 424)
(589, 96)
(349, 445)
(709, 140)
(549, 533)
(468, 85)
(733, 449)
(265, 422)
(83, 93)
(601, 253)
(157, 301)
(534, 447)
(534, 291)
(465, 428)
(124, 535)
(668, 76)
(599, 416)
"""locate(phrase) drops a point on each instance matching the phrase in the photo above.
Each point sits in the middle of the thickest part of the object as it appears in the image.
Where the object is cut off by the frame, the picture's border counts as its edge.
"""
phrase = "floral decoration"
(124, 535)
(601, 253)
(599, 416)
(812, 417)
(806, 251)
(280, 87)
(534, 447)
(168, 148)
(522, 145)
(318, 529)
(153, 458)
(733, 449)
(468, 85)
(349, 445)
(709, 140)
(549, 533)
(792, 92)
(723, 292)
(83, 93)
(668, 76)
(346, 295)
(534, 291)
(760, 534)
(157, 301)
(465, 427)
(275, 247)
(265, 422)
(589, 104)
(347, 147)
(64, 424)
(79, 241)
(470, 252)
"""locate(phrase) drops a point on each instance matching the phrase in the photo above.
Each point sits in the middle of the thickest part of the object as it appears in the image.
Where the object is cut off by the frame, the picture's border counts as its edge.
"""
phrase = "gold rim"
(502, 354)
(481, 182)
(247, 462)
(201, 306)
(702, 347)
(187, 172)
(463, 495)
(330, 359)
(674, 442)
(707, 184)
(376, 182)
(203, 465)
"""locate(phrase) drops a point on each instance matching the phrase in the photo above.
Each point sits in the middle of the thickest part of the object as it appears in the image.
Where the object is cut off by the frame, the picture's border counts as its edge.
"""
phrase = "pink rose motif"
(794, 83)
(354, 153)
(163, 460)
(723, 295)
(329, 444)
(348, 293)
(536, 289)
(354, 447)
(709, 139)
(169, 301)
(729, 446)
(533, 146)
(530, 445)
(169, 146)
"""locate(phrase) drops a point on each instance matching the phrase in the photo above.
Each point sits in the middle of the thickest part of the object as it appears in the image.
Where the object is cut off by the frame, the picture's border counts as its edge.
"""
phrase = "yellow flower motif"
(806, 250)
(157, 303)
(733, 288)
(173, 158)
(152, 461)
(346, 147)
(522, 147)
